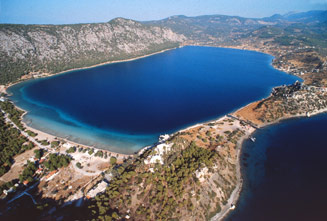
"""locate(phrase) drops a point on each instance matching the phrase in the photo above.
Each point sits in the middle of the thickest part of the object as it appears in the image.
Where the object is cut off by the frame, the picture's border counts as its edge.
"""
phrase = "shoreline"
(3, 88)
(234, 198)
(45, 135)
(41, 135)
(45, 75)
(235, 195)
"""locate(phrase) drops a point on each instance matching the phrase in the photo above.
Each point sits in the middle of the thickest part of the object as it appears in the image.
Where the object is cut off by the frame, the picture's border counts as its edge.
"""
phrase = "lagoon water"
(285, 173)
(126, 106)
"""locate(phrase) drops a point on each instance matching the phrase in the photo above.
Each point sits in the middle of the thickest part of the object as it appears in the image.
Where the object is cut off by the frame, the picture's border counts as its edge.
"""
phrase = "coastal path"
(24, 133)
(242, 121)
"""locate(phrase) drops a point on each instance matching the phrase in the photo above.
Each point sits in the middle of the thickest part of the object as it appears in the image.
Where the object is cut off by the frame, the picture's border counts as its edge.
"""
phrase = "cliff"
(55, 48)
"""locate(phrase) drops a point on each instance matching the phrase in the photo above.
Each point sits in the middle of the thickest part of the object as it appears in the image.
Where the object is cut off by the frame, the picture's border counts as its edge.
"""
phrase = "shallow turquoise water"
(125, 106)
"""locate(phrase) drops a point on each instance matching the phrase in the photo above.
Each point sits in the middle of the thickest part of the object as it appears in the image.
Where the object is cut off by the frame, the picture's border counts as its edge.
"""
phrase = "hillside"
(55, 48)
(297, 40)
(192, 174)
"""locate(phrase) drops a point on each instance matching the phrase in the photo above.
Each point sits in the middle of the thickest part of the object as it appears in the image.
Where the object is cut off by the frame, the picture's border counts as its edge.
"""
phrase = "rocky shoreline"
(245, 118)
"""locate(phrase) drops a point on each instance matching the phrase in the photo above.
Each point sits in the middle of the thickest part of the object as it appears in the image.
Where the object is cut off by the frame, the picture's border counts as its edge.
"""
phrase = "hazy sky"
(83, 11)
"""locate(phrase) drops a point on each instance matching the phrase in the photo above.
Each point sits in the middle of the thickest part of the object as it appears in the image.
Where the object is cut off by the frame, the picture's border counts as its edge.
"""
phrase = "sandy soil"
(18, 166)
(247, 113)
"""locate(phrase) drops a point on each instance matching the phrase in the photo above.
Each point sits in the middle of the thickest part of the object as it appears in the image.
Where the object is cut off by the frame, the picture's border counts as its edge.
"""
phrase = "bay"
(126, 106)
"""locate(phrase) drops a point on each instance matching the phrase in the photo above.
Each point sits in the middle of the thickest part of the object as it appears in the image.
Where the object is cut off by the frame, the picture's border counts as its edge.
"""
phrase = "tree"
(79, 165)
(55, 144)
(38, 153)
(115, 215)
(113, 160)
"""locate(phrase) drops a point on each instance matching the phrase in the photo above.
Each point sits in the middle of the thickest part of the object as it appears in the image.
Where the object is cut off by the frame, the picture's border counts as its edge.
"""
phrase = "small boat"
(232, 206)
(253, 139)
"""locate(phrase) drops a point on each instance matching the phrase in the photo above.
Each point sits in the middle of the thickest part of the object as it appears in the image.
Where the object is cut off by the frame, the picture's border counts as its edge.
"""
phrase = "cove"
(284, 172)
(126, 106)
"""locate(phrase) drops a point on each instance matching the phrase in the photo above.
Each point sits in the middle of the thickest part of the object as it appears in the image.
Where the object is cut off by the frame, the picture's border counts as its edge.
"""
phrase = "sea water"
(284, 172)
(126, 106)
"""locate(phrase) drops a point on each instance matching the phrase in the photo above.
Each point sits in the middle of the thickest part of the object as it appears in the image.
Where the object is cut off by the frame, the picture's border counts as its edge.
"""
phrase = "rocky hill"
(231, 30)
(55, 48)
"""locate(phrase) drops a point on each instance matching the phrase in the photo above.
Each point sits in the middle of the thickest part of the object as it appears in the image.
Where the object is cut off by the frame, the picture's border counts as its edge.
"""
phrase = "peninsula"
(193, 174)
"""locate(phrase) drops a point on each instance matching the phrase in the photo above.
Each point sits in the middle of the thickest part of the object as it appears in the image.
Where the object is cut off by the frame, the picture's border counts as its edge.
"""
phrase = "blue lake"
(285, 173)
(126, 106)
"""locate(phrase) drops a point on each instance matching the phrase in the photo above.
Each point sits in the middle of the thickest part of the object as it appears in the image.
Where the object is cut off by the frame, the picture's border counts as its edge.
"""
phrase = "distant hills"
(55, 48)
(225, 30)
(304, 17)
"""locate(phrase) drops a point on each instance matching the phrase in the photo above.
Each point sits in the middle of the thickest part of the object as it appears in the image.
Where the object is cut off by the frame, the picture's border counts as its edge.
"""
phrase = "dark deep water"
(286, 174)
(125, 106)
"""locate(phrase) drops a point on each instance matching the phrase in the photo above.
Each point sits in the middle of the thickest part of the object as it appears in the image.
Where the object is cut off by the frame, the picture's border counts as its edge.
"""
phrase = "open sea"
(284, 173)
(125, 106)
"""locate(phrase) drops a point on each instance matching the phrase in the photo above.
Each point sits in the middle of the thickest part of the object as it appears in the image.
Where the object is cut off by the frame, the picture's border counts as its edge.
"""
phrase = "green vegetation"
(91, 151)
(79, 165)
(12, 143)
(38, 153)
(57, 161)
(113, 160)
(71, 150)
(99, 154)
(13, 113)
(167, 187)
(55, 144)
(28, 172)
(44, 142)
(31, 133)
(77, 55)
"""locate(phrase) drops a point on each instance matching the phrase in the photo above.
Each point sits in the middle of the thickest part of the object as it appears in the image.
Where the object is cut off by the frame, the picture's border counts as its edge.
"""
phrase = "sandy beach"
(45, 136)
(236, 192)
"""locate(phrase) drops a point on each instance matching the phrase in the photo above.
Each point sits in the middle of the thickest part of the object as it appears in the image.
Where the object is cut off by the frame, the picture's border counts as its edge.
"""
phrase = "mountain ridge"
(55, 48)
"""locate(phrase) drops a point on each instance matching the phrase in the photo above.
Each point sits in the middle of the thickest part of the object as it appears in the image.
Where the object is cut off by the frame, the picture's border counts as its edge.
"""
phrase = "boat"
(253, 139)
(232, 206)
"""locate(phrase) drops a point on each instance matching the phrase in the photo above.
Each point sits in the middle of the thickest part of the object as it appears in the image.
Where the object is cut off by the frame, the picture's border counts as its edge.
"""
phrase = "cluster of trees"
(71, 150)
(164, 191)
(28, 172)
(90, 151)
(55, 144)
(99, 154)
(44, 142)
(38, 153)
(113, 161)
(13, 113)
(31, 133)
(57, 161)
(11, 144)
